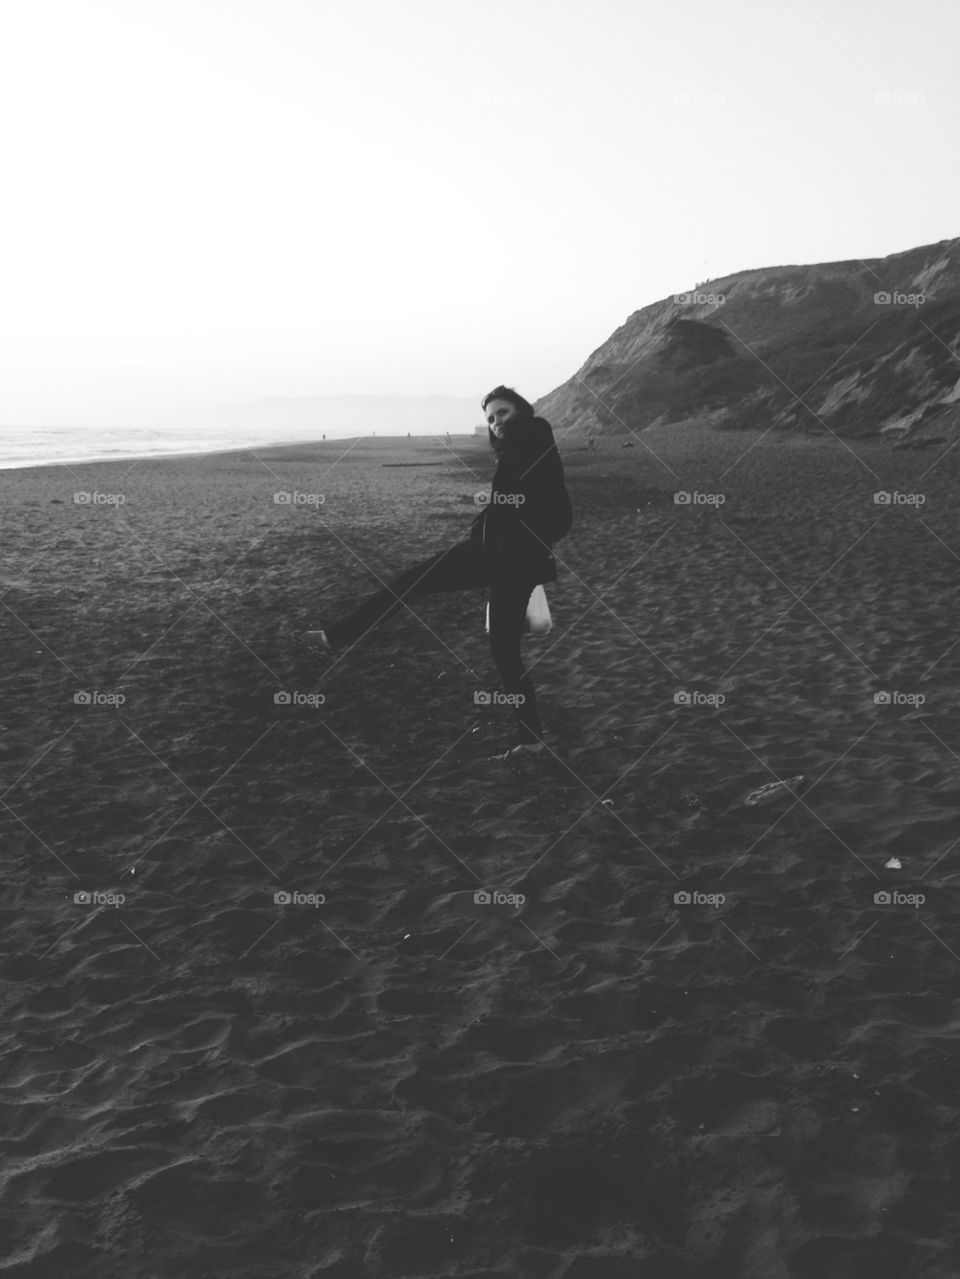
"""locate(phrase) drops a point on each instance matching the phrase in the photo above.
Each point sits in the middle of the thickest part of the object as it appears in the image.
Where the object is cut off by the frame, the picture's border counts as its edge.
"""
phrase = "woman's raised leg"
(458, 568)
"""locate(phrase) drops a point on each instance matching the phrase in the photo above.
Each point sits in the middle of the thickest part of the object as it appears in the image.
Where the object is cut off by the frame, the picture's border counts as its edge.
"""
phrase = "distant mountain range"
(306, 416)
(857, 348)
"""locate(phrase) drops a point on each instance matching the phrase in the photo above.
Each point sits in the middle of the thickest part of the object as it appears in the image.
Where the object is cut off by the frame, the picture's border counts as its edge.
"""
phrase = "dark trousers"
(462, 567)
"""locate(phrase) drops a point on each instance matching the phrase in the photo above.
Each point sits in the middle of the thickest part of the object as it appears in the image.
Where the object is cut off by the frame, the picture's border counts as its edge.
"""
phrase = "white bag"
(539, 620)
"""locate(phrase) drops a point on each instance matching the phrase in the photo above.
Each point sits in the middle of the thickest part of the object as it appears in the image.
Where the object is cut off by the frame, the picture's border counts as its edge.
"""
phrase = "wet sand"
(602, 1080)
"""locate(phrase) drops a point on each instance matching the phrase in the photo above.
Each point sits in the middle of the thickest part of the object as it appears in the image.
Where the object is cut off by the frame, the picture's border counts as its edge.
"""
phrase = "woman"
(509, 550)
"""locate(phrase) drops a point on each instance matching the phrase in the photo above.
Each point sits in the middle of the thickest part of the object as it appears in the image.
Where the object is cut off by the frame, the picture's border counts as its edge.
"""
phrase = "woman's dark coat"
(518, 536)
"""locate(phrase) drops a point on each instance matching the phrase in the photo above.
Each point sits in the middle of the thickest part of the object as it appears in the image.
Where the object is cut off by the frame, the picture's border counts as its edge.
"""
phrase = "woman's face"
(499, 412)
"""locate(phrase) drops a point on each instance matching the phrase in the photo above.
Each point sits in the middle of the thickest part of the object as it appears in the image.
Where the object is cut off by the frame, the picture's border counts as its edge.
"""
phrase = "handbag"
(538, 621)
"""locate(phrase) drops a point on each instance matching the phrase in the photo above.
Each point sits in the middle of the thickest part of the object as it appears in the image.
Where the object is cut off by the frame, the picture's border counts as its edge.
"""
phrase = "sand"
(600, 1080)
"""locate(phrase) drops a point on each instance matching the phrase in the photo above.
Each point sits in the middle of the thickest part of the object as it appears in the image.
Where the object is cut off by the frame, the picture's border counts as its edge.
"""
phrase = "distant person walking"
(509, 549)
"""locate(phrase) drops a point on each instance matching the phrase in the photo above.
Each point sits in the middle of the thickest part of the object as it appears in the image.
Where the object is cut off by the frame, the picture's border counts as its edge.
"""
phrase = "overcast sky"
(218, 200)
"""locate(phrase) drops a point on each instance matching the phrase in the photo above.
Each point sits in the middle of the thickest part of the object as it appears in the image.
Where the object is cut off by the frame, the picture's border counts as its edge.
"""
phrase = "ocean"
(22, 446)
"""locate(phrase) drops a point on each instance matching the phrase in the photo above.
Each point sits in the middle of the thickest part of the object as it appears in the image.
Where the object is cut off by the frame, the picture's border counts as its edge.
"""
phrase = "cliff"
(856, 348)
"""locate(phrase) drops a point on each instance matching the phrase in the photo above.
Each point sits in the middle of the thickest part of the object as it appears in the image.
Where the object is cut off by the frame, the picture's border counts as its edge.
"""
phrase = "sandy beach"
(701, 1046)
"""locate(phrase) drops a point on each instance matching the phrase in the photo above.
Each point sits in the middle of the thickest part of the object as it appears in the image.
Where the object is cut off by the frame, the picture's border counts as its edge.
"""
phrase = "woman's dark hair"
(524, 411)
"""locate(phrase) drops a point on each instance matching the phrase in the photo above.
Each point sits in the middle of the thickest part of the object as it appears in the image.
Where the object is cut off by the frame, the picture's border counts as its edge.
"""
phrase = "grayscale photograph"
(480, 697)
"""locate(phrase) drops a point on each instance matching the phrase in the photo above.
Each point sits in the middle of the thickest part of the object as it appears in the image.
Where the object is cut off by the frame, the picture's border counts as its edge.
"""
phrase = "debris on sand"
(772, 790)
